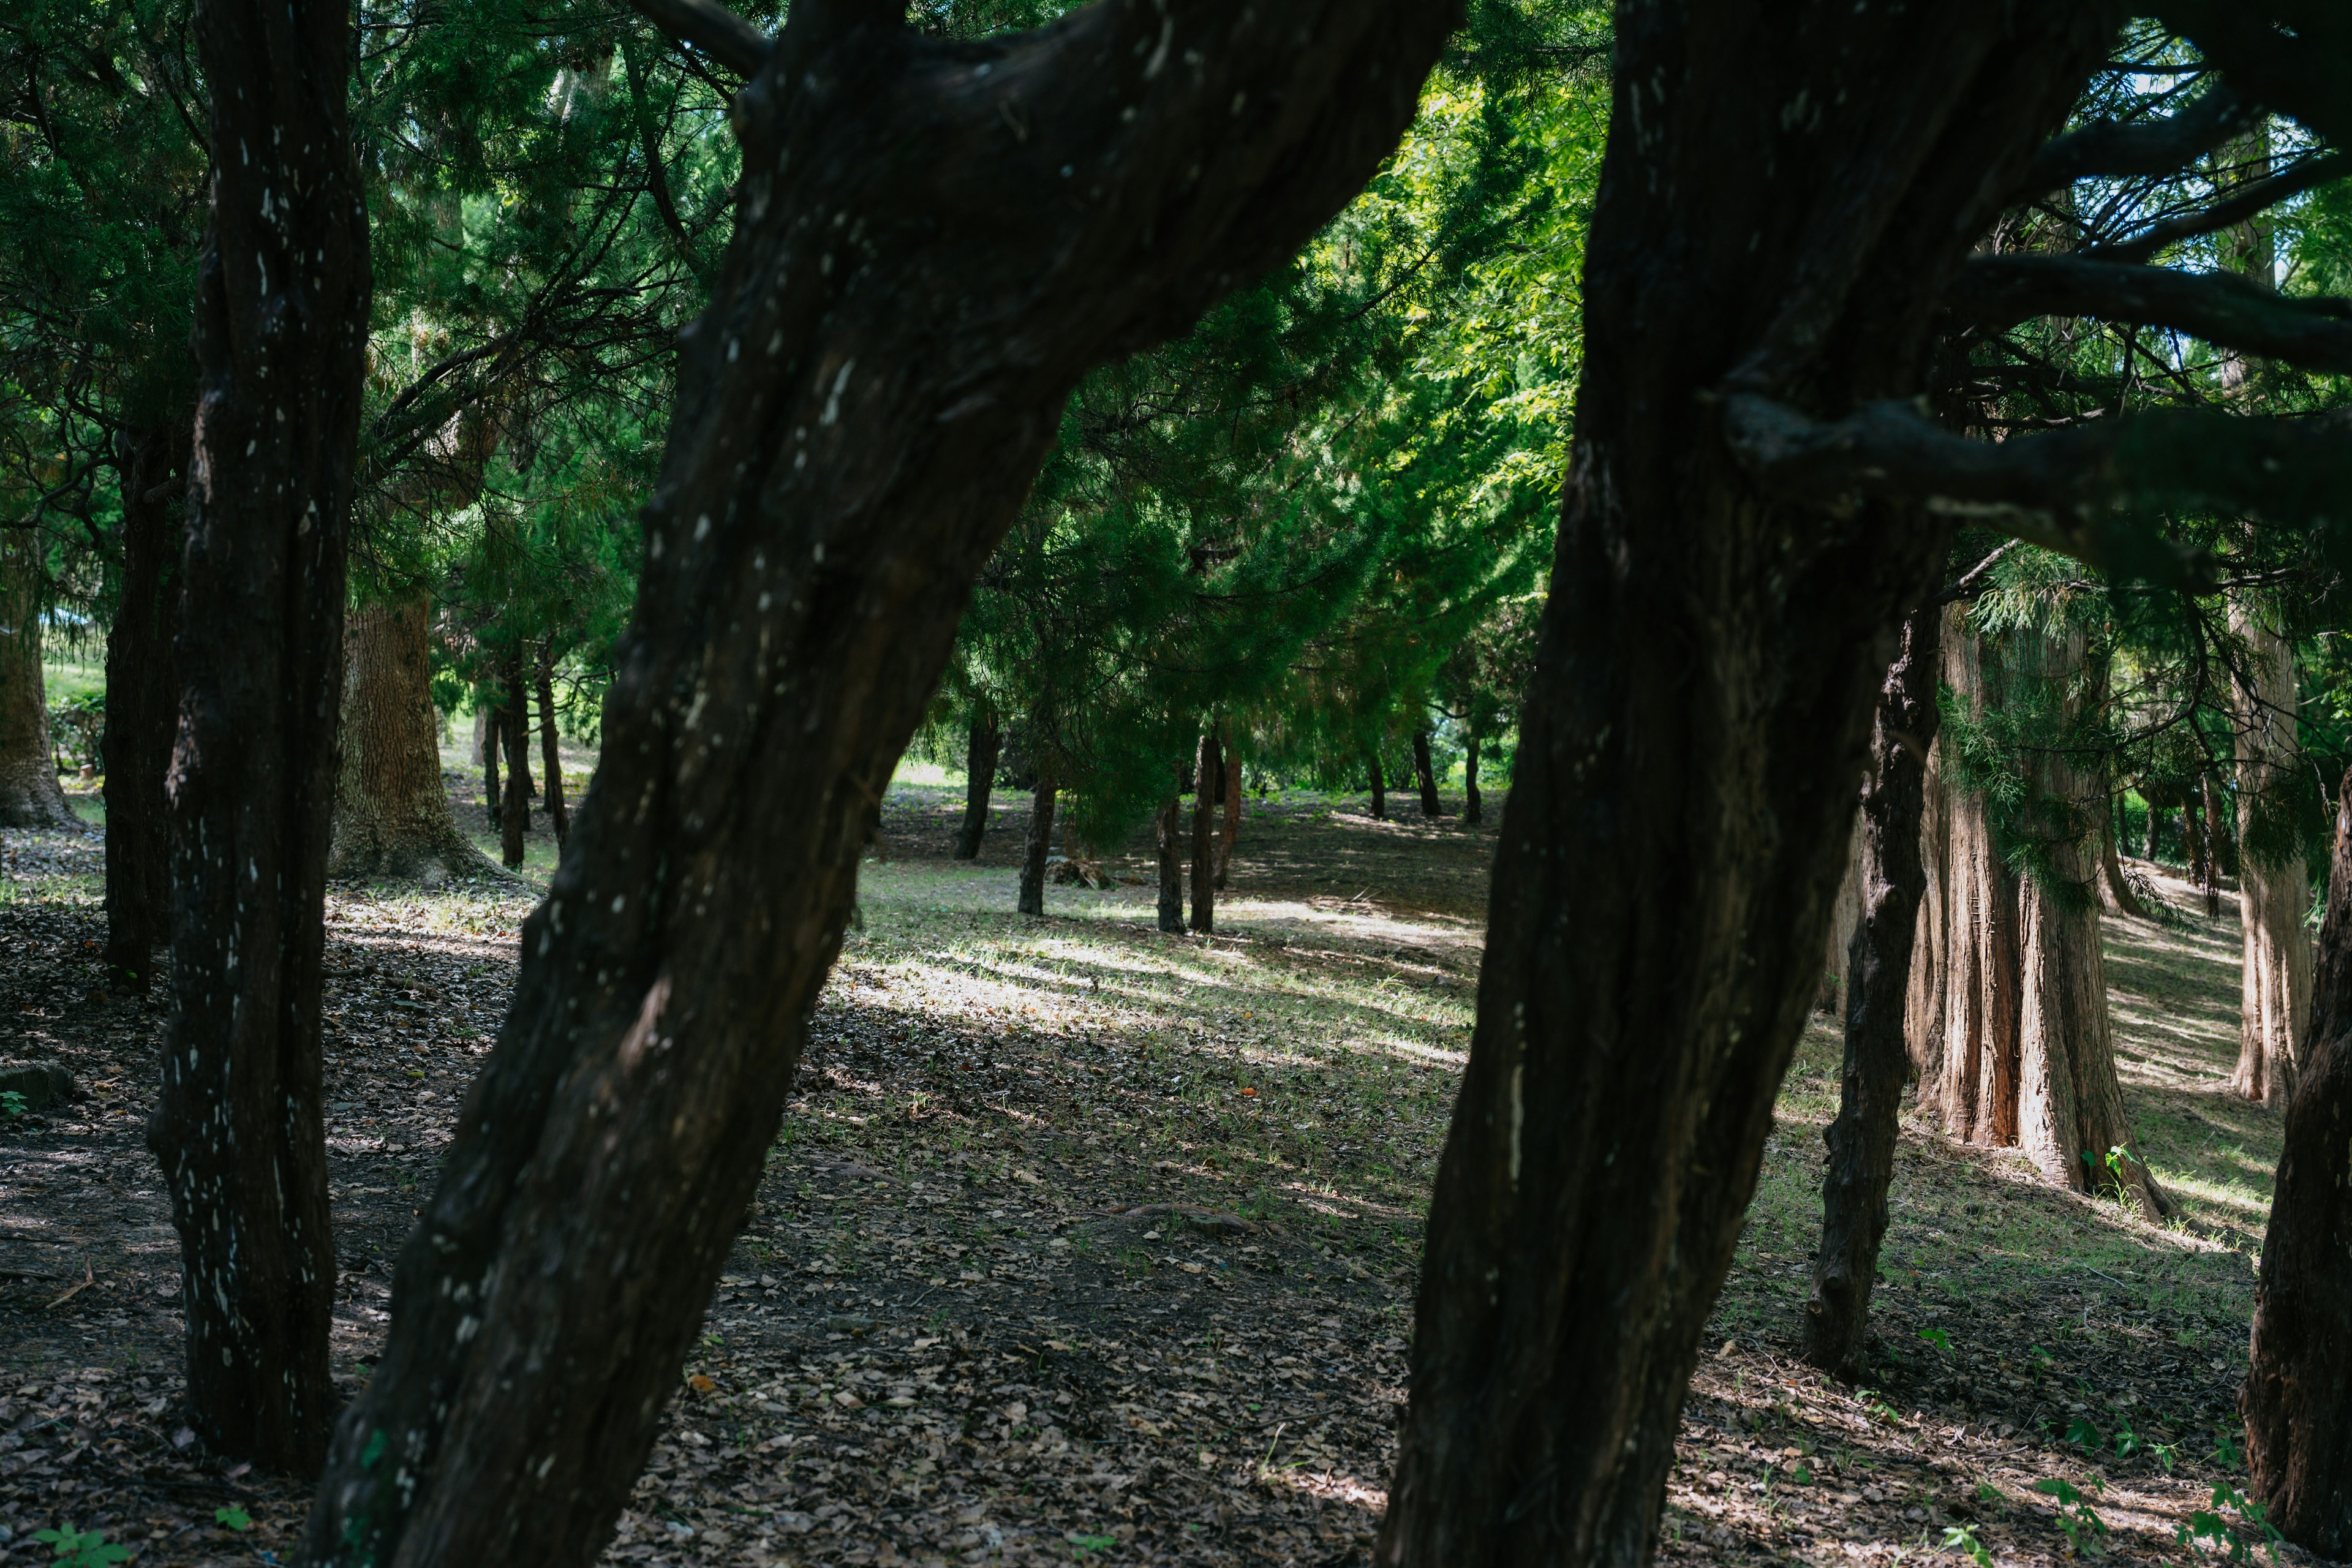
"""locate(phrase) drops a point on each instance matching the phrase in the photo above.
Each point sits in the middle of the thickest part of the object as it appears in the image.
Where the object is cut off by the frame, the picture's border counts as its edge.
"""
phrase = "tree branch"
(2299, 71)
(712, 28)
(2157, 147)
(2223, 307)
(2245, 202)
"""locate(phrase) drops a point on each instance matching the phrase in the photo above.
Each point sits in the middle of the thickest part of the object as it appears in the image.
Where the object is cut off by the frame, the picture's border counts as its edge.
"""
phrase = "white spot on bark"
(833, 403)
(1518, 1115)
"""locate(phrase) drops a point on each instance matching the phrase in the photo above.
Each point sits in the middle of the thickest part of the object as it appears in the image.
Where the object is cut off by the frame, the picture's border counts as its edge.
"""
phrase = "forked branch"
(2158, 147)
(712, 28)
(2223, 307)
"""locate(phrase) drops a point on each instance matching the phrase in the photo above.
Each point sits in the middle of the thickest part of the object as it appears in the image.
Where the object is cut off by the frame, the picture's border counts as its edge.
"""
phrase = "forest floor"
(1085, 1243)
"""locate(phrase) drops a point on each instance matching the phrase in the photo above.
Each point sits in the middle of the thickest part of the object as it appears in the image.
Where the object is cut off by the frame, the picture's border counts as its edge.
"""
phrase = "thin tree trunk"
(2120, 897)
(550, 757)
(1693, 740)
(2273, 899)
(142, 704)
(2298, 1419)
(30, 796)
(281, 339)
(391, 809)
(2208, 847)
(1038, 844)
(1379, 790)
(2154, 824)
(1861, 1160)
(1474, 809)
(514, 733)
(982, 747)
(488, 709)
(786, 651)
(1208, 768)
(1925, 1004)
(1168, 829)
(1426, 775)
(1229, 797)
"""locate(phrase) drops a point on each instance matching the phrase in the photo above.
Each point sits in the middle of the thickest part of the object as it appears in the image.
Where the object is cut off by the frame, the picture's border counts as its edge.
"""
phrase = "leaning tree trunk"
(29, 793)
(142, 704)
(2116, 890)
(1208, 768)
(514, 732)
(1168, 832)
(1229, 801)
(2272, 897)
(2297, 1396)
(1892, 877)
(911, 289)
(1694, 735)
(391, 808)
(550, 760)
(1379, 790)
(1038, 845)
(1426, 775)
(1474, 809)
(981, 749)
(281, 349)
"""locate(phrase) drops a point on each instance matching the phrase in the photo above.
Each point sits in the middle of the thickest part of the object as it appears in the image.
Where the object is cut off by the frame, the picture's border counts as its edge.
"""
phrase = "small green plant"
(2209, 1525)
(2082, 1434)
(1937, 1338)
(1086, 1546)
(2115, 1167)
(11, 1104)
(233, 1517)
(2225, 1452)
(2127, 1441)
(2166, 1454)
(1875, 1405)
(2083, 1527)
(2041, 1359)
(1962, 1539)
(81, 1548)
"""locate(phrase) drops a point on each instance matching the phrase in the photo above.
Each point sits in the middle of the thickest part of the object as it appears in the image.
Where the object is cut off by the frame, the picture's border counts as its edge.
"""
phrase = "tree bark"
(861, 411)
(1974, 1091)
(981, 749)
(1878, 1062)
(1926, 1003)
(1474, 809)
(1208, 768)
(514, 732)
(488, 710)
(1229, 799)
(1426, 775)
(30, 796)
(1693, 738)
(1379, 790)
(2297, 1396)
(280, 346)
(550, 758)
(1038, 844)
(1168, 829)
(2209, 837)
(2272, 899)
(2119, 894)
(1845, 918)
(142, 704)
(391, 809)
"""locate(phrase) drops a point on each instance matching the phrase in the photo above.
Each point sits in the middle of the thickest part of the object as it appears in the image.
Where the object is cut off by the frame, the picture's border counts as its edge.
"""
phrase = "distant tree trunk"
(2208, 846)
(280, 338)
(1924, 1003)
(2154, 824)
(2298, 1417)
(2272, 898)
(30, 796)
(1426, 775)
(514, 733)
(1229, 798)
(1861, 1160)
(1473, 810)
(1038, 845)
(1169, 830)
(1209, 767)
(1845, 917)
(983, 745)
(391, 808)
(1379, 790)
(143, 703)
(2120, 897)
(488, 708)
(551, 756)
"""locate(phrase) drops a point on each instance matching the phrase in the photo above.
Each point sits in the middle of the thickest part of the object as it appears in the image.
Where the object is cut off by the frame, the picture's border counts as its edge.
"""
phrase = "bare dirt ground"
(1084, 1242)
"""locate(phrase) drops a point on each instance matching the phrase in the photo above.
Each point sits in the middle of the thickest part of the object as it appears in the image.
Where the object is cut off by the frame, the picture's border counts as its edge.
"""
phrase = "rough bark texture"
(391, 810)
(912, 287)
(2297, 1398)
(1870, 1107)
(30, 796)
(1425, 776)
(2208, 870)
(1229, 801)
(142, 704)
(1784, 190)
(488, 714)
(1167, 829)
(1845, 918)
(1474, 808)
(514, 736)
(1379, 791)
(981, 749)
(1924, 1003)
(1208, 768)
(1974, 1088)
(1037, 846)
(2272, 899)
(280, 340)
(550, 760)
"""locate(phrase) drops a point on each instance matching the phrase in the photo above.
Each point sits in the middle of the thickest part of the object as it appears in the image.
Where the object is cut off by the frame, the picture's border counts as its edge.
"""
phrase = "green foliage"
(233, 1516)
(2253, 1519)
(2086, 1531)
(12, 1103)
(81, 1548)
(77, 724)
(1962, 1539)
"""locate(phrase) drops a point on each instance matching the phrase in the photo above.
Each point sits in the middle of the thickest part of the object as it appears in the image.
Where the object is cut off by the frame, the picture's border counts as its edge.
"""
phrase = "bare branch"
(2156, 147)
(2223, 307)
(2246, 202)
(2298, 69)
(712, 28)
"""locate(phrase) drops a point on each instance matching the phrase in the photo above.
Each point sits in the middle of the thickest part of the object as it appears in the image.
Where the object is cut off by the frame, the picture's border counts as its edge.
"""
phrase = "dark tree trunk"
(1474, 807)
(1426, 773)
(1379, 790)
(851, 440)
(391, 807)
(2120, 897)
(280, 346)
(984, 745)
(2210, 868)
(1208, 768)
(29, 793)
(1038, 844)
(142, 705)
(1229, 801)
(2154, 825)
(493, 795)
(1168, 829)
(1694, 735)
(514, 732)
(1878, 980)
(2297, 1398)
(551, 759)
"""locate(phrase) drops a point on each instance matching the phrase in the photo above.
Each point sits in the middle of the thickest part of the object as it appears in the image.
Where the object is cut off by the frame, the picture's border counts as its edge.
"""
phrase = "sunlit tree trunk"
(1974, 1091)
(30, 796)
(1925, 1004)
(391, 809)
(1845, 917)
(2273, 895)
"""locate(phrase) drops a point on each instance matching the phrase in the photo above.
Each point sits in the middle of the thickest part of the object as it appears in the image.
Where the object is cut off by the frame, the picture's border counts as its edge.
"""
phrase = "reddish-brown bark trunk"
(391, 809)
(2273, 899)
(30, 796)
(280, 347)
